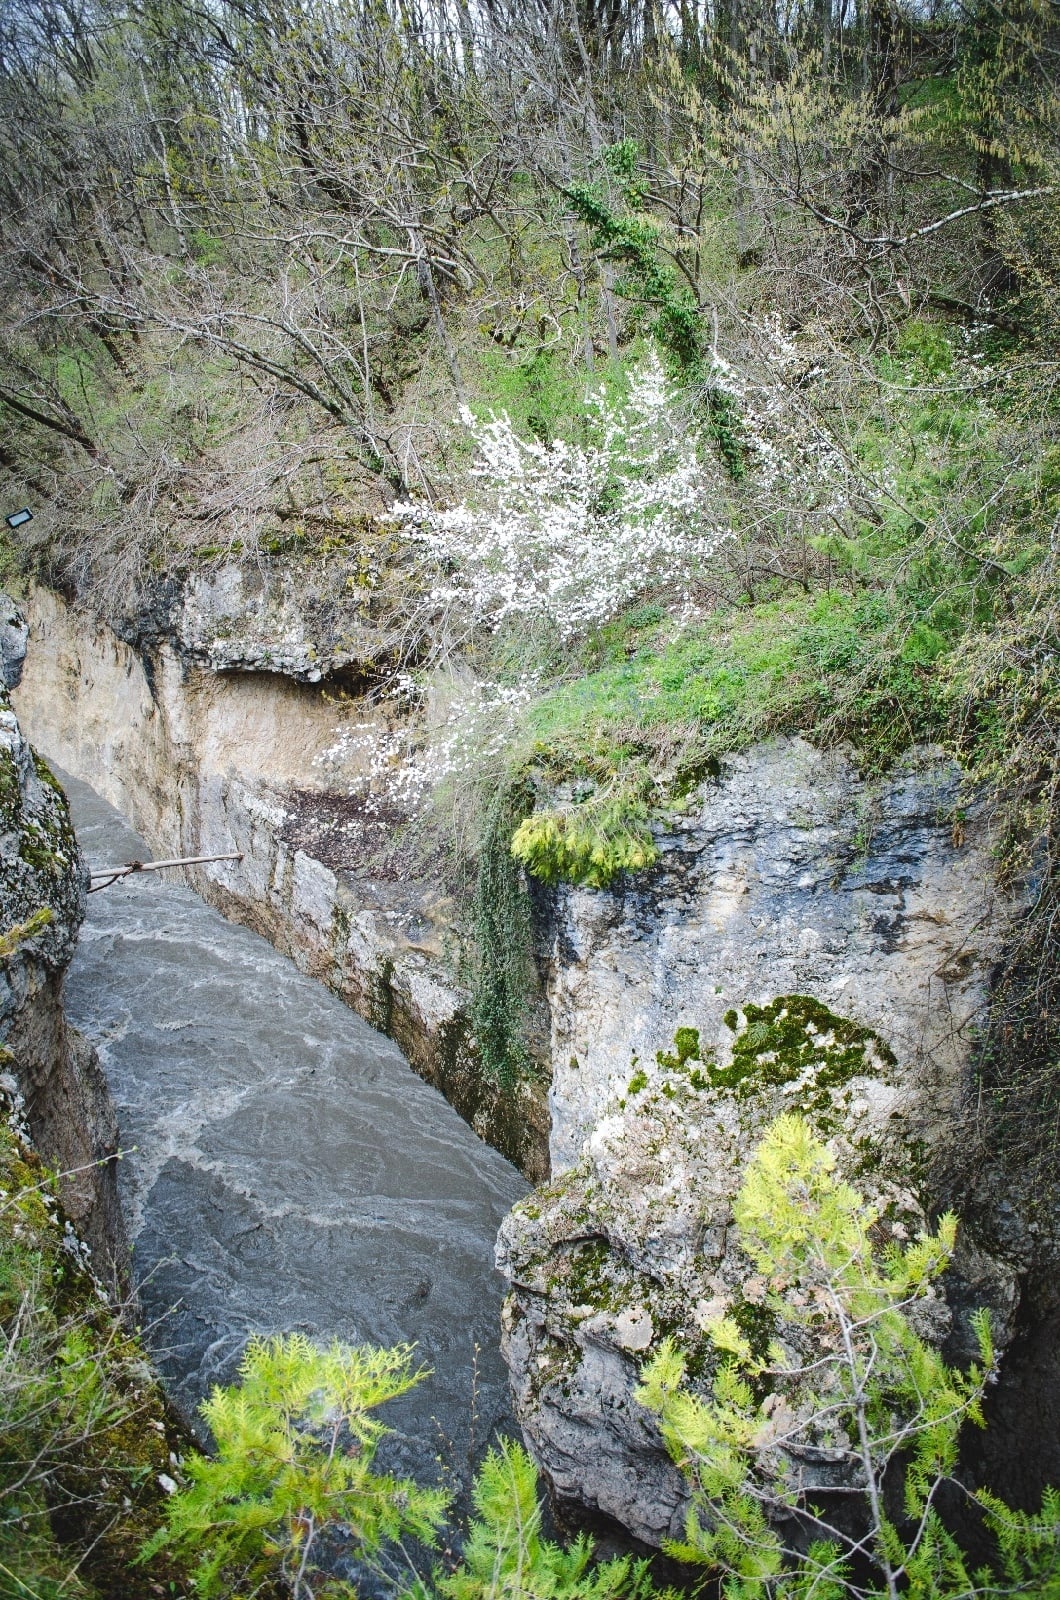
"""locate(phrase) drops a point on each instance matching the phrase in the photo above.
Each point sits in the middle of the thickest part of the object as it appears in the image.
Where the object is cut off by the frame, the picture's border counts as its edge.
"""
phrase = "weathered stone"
(792, 877)
(791, 874)
(632, 1244)
(14, 632)
(42, 899)
(294, 618)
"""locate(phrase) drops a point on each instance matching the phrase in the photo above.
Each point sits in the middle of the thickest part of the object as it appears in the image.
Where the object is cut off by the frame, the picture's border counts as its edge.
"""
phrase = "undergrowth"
(931, 620)
(85, 1435)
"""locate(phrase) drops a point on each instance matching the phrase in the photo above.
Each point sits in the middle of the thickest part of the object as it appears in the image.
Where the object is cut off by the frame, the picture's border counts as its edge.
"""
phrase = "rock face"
(14, 636)
(306, 620)
(790, 874)
(42, 890)
(816, 945)
(272, 764)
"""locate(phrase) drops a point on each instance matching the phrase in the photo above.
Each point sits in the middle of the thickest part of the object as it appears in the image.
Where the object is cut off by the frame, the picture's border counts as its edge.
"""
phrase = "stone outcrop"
(789, 874)
(815, 943)
(306, 619)
(42, 888)
(283, 770)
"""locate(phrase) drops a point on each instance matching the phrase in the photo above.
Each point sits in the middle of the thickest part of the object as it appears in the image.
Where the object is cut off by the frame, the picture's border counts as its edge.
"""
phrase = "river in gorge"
(285, 1167)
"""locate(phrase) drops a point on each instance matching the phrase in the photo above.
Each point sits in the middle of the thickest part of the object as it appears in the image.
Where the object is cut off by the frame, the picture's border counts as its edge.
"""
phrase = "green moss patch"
(797, 1038)
(794, 1040)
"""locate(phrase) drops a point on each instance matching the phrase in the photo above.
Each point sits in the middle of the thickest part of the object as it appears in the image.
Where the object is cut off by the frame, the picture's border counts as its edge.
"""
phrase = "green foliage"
(12, 938)
(502, 960)
(84, 1434)
(589, 843)
(847, 1382)
(634, 241)
(533, 383)
(505, 1556)
(295, 1443)
(1028, 1547)
(637, 244)
(928, 344)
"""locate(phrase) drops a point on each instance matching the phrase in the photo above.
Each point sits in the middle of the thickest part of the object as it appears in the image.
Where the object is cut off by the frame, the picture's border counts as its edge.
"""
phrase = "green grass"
(788, 664)
(610, 749)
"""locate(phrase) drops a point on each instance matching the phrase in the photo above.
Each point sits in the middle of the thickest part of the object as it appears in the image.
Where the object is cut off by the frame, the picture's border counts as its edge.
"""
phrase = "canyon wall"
(830, 936)
(42, 898)
(226, 743)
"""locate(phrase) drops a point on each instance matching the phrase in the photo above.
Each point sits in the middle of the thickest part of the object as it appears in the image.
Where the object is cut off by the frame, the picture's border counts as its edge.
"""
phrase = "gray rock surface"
(42, 903)
(635, 1243)
(789, 874)
(14, 633)
(873, 908)
(304, 620)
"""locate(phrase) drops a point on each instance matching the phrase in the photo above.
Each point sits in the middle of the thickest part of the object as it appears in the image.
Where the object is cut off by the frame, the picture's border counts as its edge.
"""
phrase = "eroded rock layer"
(789, 874)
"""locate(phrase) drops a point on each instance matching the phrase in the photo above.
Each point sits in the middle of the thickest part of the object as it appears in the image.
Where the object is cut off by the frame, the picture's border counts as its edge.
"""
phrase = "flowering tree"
(567, 534)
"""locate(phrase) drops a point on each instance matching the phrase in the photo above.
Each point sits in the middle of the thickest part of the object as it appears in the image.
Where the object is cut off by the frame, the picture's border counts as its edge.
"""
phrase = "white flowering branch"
(570, 534)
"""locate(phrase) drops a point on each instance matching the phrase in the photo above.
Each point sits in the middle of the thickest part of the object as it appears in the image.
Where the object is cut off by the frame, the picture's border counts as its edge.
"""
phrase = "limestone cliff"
(815, 943)
(211, 732)
(42, 889)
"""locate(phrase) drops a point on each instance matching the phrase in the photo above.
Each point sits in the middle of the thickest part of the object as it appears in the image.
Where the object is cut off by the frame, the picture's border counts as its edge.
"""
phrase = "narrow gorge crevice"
(206, 761)
(788, 885)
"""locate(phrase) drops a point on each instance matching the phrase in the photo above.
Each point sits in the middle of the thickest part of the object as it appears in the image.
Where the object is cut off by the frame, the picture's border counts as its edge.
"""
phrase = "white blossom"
(572, 533)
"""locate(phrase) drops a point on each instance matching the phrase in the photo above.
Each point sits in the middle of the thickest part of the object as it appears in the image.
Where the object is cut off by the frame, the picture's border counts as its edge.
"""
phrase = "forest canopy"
(253, 256)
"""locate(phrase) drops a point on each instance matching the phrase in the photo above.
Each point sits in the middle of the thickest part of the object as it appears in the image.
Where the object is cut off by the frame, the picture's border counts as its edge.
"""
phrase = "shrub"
(506, 1558)
(816, 1467)
(85, 1438)
(295, 1445)
(588, 844)
(566, 535)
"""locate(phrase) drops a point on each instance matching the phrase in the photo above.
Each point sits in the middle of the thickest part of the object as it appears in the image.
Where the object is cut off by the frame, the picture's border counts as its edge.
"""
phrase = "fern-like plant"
(295, 1445)
(506, 1557)
(816, 1465)
(588, 843)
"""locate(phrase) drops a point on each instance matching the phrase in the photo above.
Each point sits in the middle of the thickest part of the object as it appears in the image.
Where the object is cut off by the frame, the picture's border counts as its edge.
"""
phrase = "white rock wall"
(791, 874)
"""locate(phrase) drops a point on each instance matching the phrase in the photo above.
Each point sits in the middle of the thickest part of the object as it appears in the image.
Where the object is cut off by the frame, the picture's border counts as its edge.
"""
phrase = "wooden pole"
(109, 875)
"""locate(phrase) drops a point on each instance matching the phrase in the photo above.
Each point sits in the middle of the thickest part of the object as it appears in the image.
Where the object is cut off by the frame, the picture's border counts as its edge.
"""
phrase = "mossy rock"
(796, 1038)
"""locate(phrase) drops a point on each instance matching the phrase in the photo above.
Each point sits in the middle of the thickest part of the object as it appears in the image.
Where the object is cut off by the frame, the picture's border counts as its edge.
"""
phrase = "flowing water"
(287, 1168)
